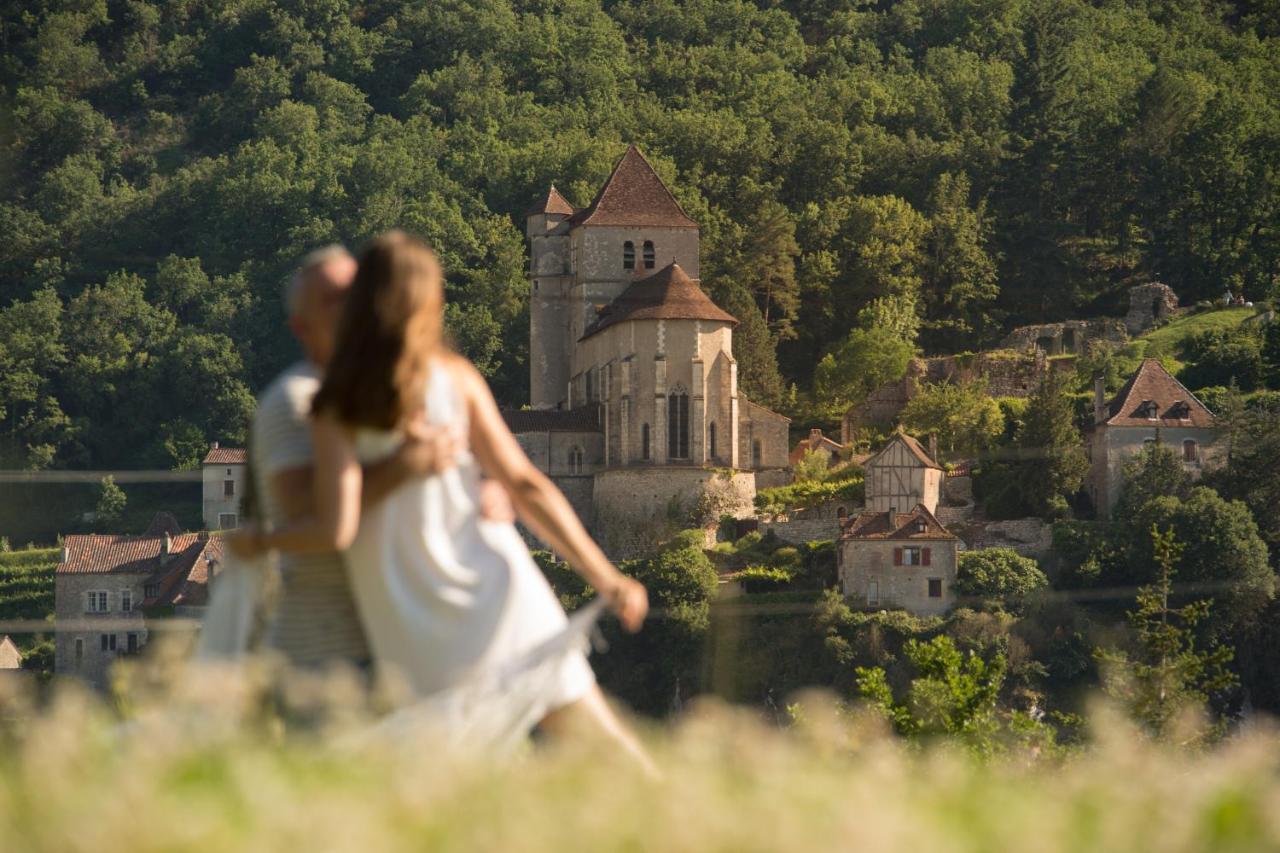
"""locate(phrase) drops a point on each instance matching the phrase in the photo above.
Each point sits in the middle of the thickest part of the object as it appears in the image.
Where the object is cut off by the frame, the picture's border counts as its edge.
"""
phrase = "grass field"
(73, 779)
(1166, 342)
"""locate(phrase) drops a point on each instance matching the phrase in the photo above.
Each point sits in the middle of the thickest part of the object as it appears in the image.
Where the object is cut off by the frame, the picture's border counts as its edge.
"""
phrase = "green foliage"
(964, 416)
(111, 502)
(1223, 358)
(998, 573)
(810, 493)
(1167, 671)
(812, 466)
(859, 364)
(1155, 472)
(756, 579)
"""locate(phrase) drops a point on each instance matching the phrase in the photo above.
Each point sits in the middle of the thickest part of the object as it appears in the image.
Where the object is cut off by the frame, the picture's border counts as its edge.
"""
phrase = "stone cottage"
(633, 383)
(1151, 408)
(109, 589)
(816, 443)
(898, 560)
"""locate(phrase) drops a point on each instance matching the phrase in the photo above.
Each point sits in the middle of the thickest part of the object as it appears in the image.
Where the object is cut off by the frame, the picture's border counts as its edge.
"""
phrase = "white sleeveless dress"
(450, 600)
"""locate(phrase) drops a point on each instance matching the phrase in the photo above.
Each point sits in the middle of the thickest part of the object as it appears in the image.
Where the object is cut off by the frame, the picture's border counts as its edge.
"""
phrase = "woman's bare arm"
(539, 503)
(337, 482)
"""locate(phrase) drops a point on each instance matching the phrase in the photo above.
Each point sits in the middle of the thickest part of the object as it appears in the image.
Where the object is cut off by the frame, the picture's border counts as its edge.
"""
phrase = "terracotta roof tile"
(226, 456)
(551, 202)
(1174, 405)
(634, 195)
(913, 446)
(668, 294)
(582, 419)
(895, 526)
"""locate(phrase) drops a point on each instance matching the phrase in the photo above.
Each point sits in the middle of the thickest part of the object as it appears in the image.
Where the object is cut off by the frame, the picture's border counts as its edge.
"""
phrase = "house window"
(97, 602)
(131, 642)
(1190, 450)
(228, 521)
(228, 488)
(108, 642)
(911, 555)
(757, 453)
(126, 600)
(935, 587)
(79, 650)
(151, 590)
(628, 255)
(678, 425)
(873, 594)
(575, 460)
(644, 442)
(649, 255)
(711, 439)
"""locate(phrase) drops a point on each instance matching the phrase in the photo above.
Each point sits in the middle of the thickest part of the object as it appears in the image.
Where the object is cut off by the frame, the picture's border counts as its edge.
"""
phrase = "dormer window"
(628, 255)
(1150, 410)
(1180, 410)
(921, 525)
(649, 255)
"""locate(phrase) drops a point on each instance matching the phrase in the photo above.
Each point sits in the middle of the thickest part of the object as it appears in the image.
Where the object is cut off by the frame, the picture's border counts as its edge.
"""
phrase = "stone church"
(635, 409)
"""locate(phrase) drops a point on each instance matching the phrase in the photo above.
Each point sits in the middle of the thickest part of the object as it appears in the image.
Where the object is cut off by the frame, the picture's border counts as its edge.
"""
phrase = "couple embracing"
(370, 458)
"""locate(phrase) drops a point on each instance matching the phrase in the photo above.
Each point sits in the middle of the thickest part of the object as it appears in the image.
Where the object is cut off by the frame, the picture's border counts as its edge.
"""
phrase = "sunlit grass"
(1165, 342)
(210, 769)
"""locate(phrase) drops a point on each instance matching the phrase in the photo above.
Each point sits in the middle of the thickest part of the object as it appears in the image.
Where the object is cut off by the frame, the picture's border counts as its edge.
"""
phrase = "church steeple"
(634, 195)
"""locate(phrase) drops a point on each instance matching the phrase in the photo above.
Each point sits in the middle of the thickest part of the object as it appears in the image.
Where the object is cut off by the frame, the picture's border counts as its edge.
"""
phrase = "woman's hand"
(629, 601)
(246, 543)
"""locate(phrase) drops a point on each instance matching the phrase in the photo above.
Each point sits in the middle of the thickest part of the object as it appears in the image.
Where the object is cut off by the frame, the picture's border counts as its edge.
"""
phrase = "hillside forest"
(870, 178)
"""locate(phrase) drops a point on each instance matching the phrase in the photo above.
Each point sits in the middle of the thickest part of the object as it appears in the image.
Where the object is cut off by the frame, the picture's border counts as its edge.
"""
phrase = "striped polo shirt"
(316, 620)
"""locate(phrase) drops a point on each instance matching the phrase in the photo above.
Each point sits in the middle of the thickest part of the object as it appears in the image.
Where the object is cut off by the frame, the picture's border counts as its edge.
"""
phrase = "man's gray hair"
(310, 263)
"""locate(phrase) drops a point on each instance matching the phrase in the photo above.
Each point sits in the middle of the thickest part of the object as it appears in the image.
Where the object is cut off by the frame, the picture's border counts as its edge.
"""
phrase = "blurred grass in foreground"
(209, 766)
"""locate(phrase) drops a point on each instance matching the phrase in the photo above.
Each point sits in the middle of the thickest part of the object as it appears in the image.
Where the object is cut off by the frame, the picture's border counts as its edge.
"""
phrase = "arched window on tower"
(711, 440)
(649, 255)
(628, 255)
(644, 442)
(678, 424)
(575, 460)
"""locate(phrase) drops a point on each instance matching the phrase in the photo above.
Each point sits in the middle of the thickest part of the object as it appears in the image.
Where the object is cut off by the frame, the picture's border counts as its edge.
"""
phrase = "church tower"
(547, 227)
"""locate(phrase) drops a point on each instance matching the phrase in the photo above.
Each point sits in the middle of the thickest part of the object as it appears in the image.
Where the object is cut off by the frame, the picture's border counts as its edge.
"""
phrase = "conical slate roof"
(634, 195)
(551, 202)
(668, 294)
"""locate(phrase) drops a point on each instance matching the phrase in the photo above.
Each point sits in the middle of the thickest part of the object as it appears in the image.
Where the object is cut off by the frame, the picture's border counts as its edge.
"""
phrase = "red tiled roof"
(668, 294)
(634, 195)
(813, 442)
(582, 419)
(551, 202)
(226, 456)
(897, 525)
(1175, 406)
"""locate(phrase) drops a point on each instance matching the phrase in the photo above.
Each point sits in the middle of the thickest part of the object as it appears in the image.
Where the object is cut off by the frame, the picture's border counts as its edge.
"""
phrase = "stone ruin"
(1149, 304)
(1007, 374)
(1070, 337)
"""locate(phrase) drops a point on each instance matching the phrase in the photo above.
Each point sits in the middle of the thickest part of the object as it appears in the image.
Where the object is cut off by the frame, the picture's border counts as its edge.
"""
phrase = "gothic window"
(678, 424)
(649, 255)
(757, 453)
(711, 440)
(644, 442)
(628, 255)
(575, 460)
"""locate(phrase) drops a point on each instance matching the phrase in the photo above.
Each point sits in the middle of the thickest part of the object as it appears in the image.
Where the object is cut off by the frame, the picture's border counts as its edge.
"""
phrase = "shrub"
(757, 579)
(998, 573)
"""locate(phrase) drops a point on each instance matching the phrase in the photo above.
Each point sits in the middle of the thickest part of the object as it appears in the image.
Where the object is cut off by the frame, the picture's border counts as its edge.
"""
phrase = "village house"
(224, 473)
(816, 443)
(109, 589)
(1151, 408)
(901, 475)
(903, 560)
(633, 384)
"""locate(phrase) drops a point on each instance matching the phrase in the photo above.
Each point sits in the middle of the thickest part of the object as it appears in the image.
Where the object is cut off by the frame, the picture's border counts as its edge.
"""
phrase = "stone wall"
(756, 423)
(634, 507)
(216, 502)
(1070, 337)
(1007, 373)
(1030, 537)
(1149, 304)
(810, 525)
(1110, 447)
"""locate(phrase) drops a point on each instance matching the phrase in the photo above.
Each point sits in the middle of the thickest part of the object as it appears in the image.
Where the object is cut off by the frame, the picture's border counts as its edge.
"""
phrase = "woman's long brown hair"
(389, 332)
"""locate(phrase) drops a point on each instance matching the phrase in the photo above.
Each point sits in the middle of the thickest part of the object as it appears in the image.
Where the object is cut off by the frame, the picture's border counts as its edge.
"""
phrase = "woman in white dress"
(445, 596)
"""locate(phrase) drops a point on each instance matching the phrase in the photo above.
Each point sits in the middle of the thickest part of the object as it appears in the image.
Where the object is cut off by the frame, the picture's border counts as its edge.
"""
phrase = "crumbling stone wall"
(1070, 337)
(810, 525)
(1149, 304)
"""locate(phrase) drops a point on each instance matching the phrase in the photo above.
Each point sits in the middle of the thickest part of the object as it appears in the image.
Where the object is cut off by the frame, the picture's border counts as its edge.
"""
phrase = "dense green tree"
(1167, 672)
(861, 363)
(111, 503)
(998, 573)
(962, 415)
(1157, 471)
(960, 282)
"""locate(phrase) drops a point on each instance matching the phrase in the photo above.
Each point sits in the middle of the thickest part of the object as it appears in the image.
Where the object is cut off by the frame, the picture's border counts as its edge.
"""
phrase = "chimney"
(165, 547)
(1099, 399)
(933, 446)
(215, 445)
(815, 436)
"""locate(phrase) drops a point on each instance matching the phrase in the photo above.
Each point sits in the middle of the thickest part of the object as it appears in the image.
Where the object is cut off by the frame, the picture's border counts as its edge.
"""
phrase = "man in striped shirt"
(316, 623)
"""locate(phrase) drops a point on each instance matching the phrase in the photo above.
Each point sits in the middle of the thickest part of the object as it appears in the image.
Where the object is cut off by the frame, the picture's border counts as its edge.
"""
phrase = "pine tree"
(1166, 672)
(1052, 459)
